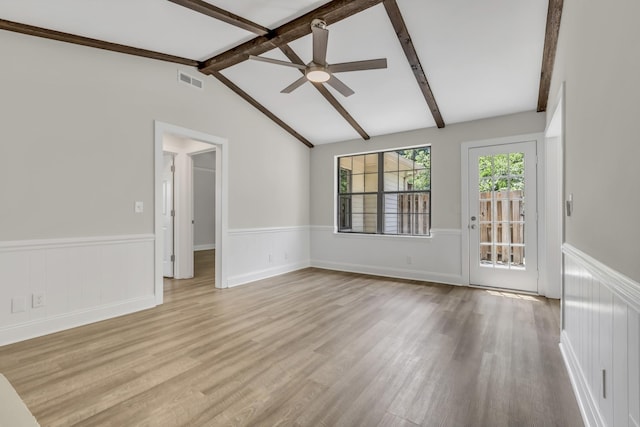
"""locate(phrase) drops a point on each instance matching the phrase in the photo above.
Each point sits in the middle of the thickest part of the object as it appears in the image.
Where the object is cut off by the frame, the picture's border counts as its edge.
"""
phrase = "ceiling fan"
(318, 71)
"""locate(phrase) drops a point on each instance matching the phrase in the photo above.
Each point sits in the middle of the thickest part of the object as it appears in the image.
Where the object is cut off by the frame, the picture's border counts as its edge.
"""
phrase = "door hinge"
(173, 213)
(173, 258)
(173, 168)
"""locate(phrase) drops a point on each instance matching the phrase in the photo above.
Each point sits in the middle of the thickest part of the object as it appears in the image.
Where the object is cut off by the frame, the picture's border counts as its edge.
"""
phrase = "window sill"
(381, 236)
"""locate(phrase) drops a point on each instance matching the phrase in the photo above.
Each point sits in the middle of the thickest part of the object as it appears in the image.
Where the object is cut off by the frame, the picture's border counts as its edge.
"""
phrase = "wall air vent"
(190, 80)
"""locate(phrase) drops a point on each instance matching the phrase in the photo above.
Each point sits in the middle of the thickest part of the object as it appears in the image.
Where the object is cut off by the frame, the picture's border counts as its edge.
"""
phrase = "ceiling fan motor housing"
(317, 73)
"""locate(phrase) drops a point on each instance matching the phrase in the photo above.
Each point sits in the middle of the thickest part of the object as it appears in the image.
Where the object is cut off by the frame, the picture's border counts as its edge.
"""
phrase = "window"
(387, 192)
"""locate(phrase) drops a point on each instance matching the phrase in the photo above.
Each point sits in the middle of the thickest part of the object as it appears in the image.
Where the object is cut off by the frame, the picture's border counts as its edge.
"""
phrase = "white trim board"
(70, 242)
(266, 252)
(600, 339)
(589, 410)
(434, 259)
(39, 327)
(626, 288)
(83, 280)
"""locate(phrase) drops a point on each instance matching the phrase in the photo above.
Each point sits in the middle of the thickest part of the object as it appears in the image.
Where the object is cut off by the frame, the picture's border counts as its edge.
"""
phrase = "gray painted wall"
(77, 143)
(599, 59)
(204, 199)
(445, 154)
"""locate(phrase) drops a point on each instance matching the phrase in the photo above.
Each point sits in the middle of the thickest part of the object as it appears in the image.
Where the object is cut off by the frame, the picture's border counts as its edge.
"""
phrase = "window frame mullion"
(380, 208)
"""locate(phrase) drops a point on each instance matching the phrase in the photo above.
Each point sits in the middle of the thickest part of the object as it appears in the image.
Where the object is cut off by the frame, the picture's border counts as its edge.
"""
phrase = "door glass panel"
(485, 255)
(517, 256)
(516, 210)
(485, 233)
(485, 210)
(501, 219)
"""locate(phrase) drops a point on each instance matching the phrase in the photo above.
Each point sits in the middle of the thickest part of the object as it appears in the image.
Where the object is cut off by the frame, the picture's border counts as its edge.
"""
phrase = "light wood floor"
(310, 348)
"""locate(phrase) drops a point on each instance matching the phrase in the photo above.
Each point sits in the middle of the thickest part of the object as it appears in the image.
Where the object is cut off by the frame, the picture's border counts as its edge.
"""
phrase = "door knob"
(473, 218)
(473, 226)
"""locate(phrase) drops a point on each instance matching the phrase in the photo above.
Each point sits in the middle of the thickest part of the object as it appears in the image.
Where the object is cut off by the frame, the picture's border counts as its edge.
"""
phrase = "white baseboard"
(44, 326)
(436, 258)
(243, 279)
(258, 253)
(586, 402)
(206, 247)
(83, 280)
(397, 273)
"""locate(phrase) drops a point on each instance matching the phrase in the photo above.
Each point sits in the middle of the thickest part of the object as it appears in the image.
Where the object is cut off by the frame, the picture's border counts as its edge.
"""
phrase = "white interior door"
(168, 214)
(503, 216)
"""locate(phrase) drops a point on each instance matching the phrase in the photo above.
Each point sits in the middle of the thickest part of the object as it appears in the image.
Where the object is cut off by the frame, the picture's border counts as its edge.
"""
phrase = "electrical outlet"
(138, 207)
(38, 299)
(409, 260)
(18, 304)
(270, 258)
(286, 255)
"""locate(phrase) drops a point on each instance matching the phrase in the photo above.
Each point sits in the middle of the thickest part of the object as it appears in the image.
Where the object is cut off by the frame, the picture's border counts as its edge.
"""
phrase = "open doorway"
(204, 207)
(182, 144)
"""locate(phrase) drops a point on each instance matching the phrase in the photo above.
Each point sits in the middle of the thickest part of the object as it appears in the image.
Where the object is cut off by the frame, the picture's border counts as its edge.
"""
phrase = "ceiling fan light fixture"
(317, 75)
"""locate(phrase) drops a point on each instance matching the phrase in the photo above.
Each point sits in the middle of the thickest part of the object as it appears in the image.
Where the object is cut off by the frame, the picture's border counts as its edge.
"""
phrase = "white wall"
(77, 151)
(437, 258)
(204, 200)
(601, 340)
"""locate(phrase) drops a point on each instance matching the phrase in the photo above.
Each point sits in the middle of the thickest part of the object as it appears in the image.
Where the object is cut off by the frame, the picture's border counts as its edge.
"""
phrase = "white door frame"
(554, 134)
(222, 197)
(464, 176)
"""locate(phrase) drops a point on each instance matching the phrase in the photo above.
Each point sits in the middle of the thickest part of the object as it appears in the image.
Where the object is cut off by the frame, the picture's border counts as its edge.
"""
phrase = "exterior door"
(168, 214)
(503, 216)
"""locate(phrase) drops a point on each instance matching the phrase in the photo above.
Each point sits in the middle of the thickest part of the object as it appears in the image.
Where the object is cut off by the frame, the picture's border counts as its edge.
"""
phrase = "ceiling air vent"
(190, 80)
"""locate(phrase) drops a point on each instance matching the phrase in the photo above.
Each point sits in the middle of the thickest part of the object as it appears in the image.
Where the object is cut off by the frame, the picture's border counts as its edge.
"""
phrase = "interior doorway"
(183, 241)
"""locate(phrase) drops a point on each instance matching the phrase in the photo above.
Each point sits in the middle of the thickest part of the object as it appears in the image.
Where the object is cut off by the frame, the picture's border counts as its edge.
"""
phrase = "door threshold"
(506, 290)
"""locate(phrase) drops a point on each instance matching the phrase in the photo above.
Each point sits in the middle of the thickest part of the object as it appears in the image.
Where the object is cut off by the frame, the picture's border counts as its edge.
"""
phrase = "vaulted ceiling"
(448, 61)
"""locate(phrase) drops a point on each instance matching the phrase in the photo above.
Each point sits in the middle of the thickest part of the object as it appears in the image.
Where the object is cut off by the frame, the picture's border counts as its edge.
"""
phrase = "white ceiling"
(482, 58)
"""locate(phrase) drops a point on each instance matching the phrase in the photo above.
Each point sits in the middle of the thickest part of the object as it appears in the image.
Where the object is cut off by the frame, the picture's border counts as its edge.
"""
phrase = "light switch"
(139, 207)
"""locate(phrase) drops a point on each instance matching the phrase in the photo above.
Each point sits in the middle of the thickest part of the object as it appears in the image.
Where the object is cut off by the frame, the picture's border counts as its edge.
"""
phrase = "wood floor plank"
(309, 348)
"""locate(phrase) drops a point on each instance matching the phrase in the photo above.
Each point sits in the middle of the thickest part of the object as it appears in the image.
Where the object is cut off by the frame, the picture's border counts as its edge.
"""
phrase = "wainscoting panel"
(258, 253)
(83, 280)
(600, 340)
(437, 258)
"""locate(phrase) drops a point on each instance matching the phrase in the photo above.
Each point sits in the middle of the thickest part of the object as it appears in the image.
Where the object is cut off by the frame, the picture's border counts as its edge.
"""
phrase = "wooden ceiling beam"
(228, 83)
(331, 12)
(293, 57)
(412, 56)
(554, 15)
(197, 6)
(222, 15)
(86, 41)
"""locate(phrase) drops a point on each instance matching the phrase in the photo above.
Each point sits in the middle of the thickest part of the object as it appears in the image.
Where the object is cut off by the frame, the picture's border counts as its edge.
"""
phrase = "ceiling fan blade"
(371, 64)
(338, 85)
(320, 39)
(277, 62)
(295, 85)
